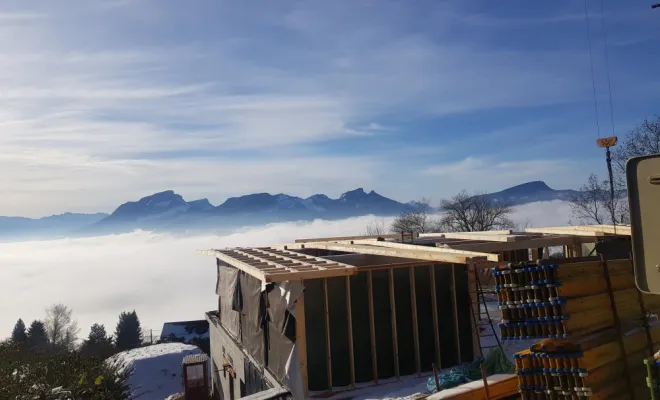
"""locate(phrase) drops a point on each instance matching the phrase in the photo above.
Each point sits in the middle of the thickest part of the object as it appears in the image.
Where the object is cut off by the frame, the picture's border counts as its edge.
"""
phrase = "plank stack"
(593, 325)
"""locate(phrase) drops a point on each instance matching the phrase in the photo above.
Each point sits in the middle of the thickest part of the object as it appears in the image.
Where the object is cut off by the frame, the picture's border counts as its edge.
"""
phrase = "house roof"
(294, 261)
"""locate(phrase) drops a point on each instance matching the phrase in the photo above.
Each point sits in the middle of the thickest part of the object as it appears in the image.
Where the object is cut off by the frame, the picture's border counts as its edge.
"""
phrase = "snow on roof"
(156, 369)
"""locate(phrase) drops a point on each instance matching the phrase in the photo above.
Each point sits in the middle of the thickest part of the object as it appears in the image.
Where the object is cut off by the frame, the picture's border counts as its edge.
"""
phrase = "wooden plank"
(395, 338)
(523, 244)
(327, 333)
(349, 312)
(329, 239)
(454, 308)
(413, 302)
(479, 236)
(567, 230)
(476, 233)
(372, 327)
(440, 250)
(255, 272)
(301, 341)
(434, 308)
(420, 254)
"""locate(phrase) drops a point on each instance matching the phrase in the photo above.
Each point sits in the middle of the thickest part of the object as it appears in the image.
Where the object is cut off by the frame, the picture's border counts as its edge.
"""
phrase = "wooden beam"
(327, 334)
(330, 239)
(349, 312)
(525, 244)
(568, 230)
(535, 253)
(480, 236)
(255, 272)
(420, 254)
(434, 308)
(440, 250)
(395, 337)
(372, 327)
(301, 341)
(477, 233)
(454, 315)
(413, 302)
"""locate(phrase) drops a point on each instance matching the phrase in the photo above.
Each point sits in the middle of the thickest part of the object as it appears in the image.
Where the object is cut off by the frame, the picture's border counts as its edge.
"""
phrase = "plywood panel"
(404, 321)
(383, 321)
(361, 330)
(338, 332)
(315, 328)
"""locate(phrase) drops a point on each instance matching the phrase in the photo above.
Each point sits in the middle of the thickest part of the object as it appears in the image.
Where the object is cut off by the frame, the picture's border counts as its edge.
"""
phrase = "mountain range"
(169, 211)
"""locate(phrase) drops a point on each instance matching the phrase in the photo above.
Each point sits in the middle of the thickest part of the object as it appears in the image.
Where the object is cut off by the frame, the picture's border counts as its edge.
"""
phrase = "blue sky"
(107, 101)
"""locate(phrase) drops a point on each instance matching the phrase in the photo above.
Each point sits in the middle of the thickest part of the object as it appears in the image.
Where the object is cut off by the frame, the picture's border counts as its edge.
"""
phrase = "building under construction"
(327, 315)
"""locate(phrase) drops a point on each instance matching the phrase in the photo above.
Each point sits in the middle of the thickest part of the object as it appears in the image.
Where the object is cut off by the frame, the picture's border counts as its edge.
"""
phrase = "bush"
(53, 376)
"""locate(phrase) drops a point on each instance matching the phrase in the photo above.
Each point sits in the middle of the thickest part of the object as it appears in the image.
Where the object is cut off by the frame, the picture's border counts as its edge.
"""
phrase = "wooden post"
(395, 340)
(301, 341)
(434, 308)
(327, 333)
(474, 304)
(372, 327)
(349, 312)
(413, 301)
(535, 254)
(454, 308)
(617, 322)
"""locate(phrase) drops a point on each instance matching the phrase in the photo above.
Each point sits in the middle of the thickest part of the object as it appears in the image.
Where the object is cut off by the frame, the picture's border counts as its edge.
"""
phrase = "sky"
(104, 102)
(158, 275)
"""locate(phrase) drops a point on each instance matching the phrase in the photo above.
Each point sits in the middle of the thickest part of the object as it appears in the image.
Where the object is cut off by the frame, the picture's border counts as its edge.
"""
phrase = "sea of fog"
(158, 275)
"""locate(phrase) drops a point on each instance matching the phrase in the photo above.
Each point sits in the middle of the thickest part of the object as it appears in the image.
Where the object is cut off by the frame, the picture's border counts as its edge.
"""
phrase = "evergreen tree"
(36, 336)
(18, 335)
(128, 334)
(98, 344)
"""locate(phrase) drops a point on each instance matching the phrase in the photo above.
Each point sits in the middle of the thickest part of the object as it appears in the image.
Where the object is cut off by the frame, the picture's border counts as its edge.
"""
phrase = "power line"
(591, 62)
(607, 64)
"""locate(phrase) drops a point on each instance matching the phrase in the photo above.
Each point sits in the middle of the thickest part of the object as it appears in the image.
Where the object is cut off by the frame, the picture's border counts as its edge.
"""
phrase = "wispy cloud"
(96, 95)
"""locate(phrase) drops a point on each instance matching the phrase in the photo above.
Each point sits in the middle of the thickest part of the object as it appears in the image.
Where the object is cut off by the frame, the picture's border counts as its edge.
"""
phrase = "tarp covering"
(227, 288)
(495, 362)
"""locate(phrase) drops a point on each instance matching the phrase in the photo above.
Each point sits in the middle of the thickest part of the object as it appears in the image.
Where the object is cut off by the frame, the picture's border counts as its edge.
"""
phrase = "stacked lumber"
(565, 300)
(594, 369)
(594, 326)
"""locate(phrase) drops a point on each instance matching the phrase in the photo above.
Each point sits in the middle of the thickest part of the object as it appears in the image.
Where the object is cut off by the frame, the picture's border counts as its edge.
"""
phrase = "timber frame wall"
(383, 323)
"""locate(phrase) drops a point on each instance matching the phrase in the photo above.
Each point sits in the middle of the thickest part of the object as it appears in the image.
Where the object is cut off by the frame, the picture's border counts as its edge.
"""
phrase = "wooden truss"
(273, 265)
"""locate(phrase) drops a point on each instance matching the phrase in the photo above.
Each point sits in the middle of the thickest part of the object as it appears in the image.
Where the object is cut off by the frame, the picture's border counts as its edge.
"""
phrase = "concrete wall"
(225, 347)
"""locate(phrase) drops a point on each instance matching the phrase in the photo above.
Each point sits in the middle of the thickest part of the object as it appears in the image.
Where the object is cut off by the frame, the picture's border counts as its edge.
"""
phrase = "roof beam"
(419, 254)
(405, 246)
(337, 238)
(524, 244)
(605, 229)
(491, 237)
(568, 230)
(500, 232)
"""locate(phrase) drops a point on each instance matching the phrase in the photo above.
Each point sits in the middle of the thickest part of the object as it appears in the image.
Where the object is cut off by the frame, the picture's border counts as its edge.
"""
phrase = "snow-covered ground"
(156, 369)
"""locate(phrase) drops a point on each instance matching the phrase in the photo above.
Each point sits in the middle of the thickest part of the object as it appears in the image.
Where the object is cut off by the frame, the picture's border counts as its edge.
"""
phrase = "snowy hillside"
(156, 369)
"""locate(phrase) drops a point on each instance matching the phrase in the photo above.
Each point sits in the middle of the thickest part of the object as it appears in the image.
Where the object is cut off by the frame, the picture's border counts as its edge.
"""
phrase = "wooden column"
(475, 309)
(535, 254)
(395, 340)
(349, 312)
(327, 333)
(372, 328)
(434, 308)
(454, 308)
(301, 341)
(413, 302)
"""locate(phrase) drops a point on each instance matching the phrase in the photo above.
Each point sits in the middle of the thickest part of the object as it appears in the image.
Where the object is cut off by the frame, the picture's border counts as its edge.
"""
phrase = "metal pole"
(609, 171)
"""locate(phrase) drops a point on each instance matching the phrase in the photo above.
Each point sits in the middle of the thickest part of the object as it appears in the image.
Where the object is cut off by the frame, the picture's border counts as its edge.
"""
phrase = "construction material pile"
(593, 322)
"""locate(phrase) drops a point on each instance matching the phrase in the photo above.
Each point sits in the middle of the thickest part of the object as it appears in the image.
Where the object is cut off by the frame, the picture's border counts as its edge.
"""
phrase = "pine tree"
(18, 335)
(128, 334)
(98, 344)
(36, 336)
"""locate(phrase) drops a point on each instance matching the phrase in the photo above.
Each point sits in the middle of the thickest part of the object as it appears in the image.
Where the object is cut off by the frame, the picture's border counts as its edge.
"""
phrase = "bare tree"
(418, 220)
(470, 213)
(592, 204)
(61, 328)
(377, 226)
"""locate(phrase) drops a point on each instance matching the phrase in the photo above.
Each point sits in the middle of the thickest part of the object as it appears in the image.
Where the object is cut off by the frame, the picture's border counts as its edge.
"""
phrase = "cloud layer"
(159, 276)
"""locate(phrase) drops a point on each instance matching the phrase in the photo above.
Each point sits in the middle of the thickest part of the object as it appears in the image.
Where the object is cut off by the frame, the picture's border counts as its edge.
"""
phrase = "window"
(195, 375)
